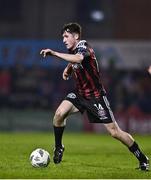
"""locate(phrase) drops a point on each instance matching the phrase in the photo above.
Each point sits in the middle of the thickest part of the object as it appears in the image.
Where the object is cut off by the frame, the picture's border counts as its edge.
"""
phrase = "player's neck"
(76, 43)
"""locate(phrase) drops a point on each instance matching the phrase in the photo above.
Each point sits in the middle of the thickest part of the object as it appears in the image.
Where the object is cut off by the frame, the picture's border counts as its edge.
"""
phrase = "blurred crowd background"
(120, 33)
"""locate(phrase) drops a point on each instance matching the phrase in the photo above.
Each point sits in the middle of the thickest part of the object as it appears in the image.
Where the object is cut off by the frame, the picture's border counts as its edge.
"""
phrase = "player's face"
(70, 40)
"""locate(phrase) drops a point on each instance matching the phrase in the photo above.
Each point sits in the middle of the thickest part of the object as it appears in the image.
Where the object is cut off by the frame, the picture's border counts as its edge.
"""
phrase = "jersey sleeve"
(82, 49)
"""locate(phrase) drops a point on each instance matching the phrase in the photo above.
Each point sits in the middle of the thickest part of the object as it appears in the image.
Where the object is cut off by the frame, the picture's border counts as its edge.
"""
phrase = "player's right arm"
(73, 58)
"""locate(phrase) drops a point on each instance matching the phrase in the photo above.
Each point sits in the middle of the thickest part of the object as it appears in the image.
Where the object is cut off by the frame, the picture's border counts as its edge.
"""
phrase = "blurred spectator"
(39, 87)
(144, 99)
(5, 87)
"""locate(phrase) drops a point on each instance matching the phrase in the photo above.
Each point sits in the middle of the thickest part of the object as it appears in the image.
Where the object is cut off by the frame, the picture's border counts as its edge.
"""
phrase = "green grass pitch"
(87, 156)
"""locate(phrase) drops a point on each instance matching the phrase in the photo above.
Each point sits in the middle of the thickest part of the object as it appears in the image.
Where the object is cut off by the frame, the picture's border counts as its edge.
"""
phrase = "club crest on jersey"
(100, 110)
(71, 95)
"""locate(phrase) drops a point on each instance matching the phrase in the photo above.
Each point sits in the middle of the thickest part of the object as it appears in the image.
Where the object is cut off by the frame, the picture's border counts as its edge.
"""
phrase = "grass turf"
(87, 156)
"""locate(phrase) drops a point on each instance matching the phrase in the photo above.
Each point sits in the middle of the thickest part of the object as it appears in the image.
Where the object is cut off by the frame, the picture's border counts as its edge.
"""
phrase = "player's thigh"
(65, 108)
(112, 128)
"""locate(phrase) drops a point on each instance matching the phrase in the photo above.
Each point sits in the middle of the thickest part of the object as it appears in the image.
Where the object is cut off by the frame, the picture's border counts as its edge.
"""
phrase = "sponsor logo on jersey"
(71, 95)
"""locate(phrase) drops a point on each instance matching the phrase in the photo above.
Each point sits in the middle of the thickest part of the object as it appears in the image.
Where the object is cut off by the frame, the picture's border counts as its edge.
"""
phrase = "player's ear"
(76, 36)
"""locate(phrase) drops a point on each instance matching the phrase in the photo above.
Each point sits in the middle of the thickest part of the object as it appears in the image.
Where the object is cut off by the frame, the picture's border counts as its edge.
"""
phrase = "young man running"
(89, 95)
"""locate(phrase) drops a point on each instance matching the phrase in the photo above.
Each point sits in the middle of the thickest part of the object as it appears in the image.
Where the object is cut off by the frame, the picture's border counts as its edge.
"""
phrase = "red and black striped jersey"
(86, 73)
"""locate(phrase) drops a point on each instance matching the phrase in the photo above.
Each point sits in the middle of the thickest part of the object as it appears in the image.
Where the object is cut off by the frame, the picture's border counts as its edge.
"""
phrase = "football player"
(89, 95)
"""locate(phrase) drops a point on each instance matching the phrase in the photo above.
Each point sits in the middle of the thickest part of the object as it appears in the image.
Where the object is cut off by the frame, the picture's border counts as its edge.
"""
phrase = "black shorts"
(98, 109)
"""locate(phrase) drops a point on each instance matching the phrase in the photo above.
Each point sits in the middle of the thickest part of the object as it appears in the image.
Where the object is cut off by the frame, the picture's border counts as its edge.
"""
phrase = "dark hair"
(72, 28)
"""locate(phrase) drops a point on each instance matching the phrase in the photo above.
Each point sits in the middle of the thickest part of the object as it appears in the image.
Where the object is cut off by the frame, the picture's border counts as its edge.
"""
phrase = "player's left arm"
(73, 58)
(67, 71)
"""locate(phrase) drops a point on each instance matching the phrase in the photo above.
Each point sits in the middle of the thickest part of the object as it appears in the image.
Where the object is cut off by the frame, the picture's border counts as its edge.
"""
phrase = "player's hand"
(67, 72)
(46, 52)
(65, 75)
